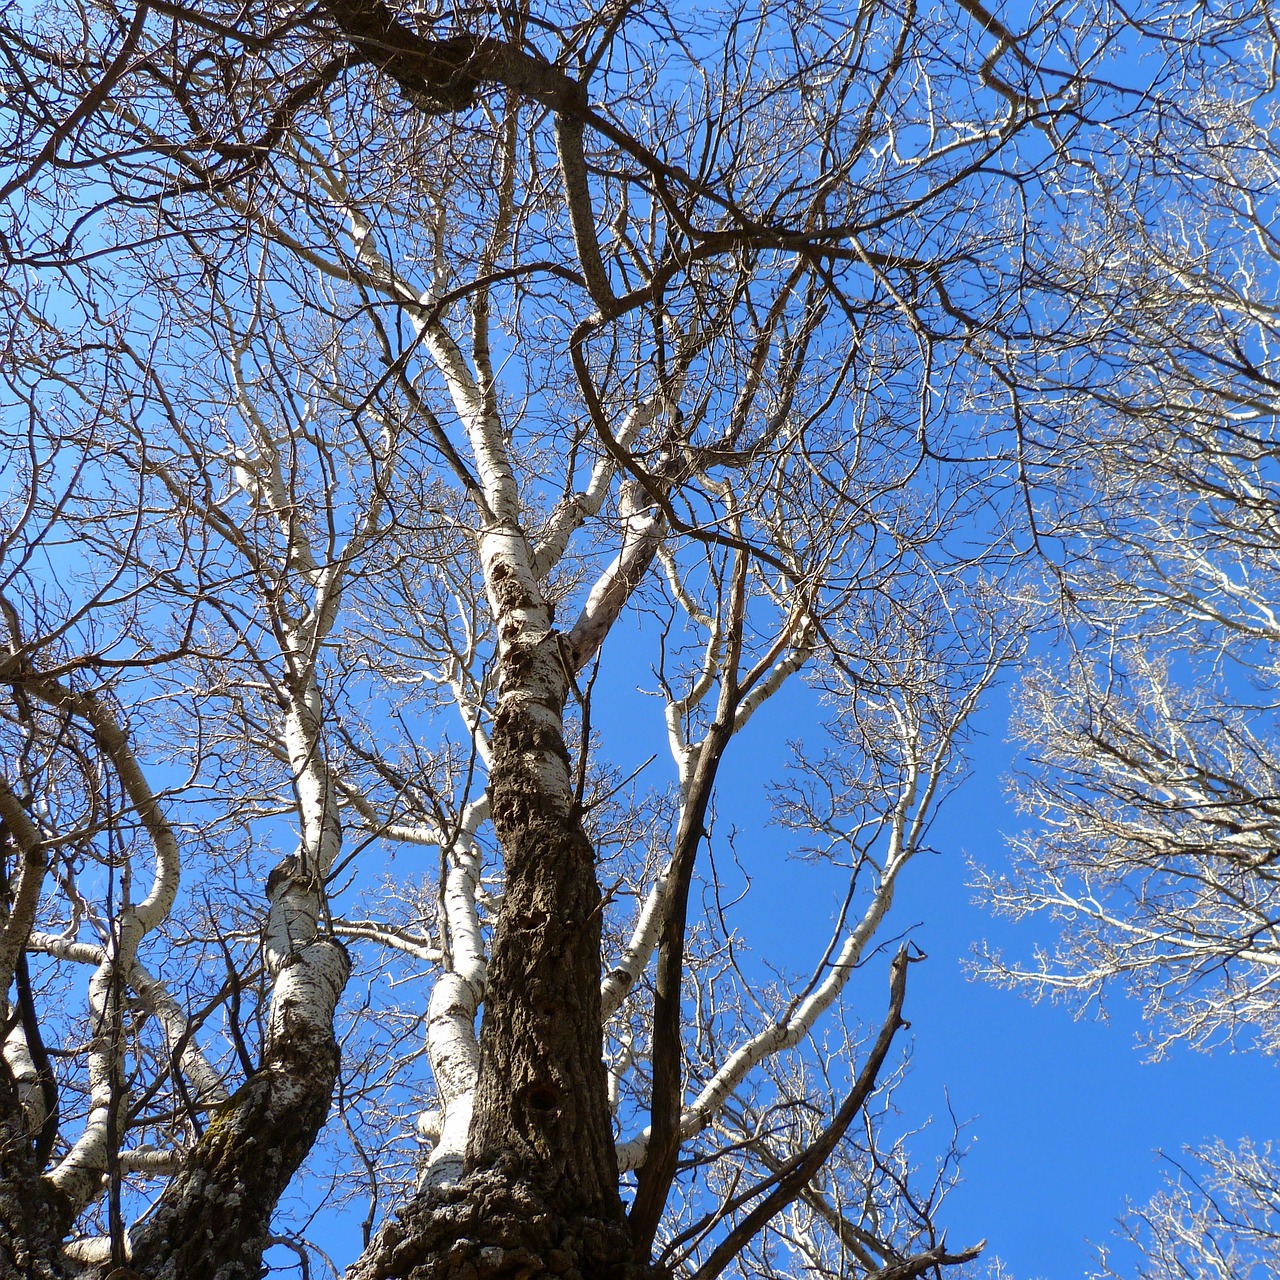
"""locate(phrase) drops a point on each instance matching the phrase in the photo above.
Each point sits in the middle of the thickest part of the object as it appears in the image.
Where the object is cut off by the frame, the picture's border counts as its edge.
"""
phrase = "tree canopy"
(1150, 752)
(414, 412)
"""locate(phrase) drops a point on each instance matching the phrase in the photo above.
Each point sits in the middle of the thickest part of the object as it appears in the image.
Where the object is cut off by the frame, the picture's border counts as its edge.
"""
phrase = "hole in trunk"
(542, 1097)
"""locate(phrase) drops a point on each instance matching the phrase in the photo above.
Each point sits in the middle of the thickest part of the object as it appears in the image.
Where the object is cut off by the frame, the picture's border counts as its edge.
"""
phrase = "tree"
(1216, 1217)
(1152, 759)
(369, 370)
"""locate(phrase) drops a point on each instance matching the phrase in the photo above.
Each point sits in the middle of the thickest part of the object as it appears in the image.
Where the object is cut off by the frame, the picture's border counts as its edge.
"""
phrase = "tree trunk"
(539, 1192)
(34, 1219)
(542, 1100)
(214, 1218)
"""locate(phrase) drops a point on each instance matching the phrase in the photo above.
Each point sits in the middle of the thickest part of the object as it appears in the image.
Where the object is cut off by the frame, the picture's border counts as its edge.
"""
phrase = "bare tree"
(1215, 1219)
(1153, 765)
(392, 393)
(1152, 762)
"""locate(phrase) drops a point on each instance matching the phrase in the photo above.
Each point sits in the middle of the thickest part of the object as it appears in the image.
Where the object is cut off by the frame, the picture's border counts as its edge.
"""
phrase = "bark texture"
(539, 1192)
(33, 1218)
(495, 1224)
(214, 1218)
(542, 1100)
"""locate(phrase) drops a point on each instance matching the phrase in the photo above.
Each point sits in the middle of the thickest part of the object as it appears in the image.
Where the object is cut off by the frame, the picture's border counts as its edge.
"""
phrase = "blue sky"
(1068, 1113)
(1064, 1115)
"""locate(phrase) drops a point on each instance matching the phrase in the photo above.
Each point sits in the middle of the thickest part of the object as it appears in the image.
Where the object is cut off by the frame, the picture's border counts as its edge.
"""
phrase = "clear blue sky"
(1066, 1114)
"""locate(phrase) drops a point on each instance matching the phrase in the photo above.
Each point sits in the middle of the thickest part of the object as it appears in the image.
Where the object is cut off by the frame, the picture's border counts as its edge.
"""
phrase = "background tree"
(368, 370)
(1152, 757)
(1215, 1217)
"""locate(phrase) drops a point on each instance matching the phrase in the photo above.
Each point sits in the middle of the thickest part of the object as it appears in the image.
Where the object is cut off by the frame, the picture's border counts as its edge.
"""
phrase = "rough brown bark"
(539, 1194)
(33, 1220)
(448, 75)
(214, 1218)
(542, 1100)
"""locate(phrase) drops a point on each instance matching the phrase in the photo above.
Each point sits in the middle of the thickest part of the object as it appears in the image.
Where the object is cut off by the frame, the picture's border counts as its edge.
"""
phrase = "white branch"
(641, 536)
(387, 935)
(452, 1047)
(317, 802)
(155, 995)
(77, 1175)
(26, 894)
(573, 512)
(624, 975)
(26, 1079)
(906, 827)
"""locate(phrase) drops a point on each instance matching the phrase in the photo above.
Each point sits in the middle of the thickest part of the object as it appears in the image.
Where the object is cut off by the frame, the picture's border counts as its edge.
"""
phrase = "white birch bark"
(208, 1089)
(26, 1079)
(77, 1175)
(642, 527)
(625, 973)
(307, 979)
(26, 893)
(452, 1046)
